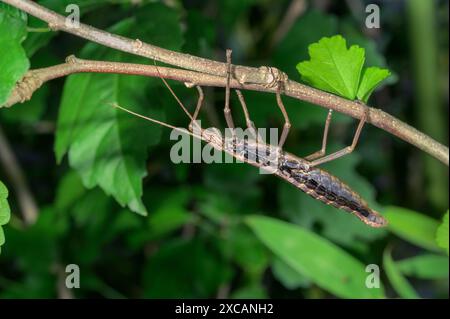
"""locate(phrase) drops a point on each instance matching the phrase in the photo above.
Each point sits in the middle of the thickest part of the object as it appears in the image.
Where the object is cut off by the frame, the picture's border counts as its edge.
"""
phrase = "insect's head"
(213, 136)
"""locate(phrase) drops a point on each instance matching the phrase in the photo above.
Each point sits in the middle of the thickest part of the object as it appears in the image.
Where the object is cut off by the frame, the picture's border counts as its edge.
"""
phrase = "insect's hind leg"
(348, 149)
(250, 125)
(287, 122)
(323, 149)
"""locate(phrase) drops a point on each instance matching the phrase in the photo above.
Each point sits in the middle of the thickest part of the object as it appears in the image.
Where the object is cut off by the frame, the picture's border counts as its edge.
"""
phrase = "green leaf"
(108, 147)
(13, 61)
(292, 48)
(371, 78)
(247, 251)
(416, 228)
(5, 211)
(333, 67)
(289, 277)
(425, 267)
(442, 234)
(398, 282)
(13, 23)
(317, 259)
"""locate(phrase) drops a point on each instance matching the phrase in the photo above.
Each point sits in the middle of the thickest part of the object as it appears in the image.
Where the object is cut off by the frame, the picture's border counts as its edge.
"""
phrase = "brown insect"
(300, 172)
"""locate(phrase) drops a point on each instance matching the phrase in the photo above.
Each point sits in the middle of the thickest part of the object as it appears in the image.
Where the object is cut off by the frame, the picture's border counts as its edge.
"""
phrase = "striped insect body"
(328, 189)
(302, 173)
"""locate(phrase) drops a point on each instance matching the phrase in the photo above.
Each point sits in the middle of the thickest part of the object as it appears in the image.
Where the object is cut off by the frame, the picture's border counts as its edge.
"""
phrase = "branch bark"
(212, 73)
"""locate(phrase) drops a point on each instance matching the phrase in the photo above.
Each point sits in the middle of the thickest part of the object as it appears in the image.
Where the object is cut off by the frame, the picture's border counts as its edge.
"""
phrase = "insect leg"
(287, 123)
(227, 110)
(201, 97)
(173, 93)
(322, 151)
(248, 121)
(348, 149)
(183, 107)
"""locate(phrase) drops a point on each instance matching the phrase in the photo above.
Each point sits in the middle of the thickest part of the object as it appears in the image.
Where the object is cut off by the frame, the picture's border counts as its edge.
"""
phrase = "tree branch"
(213, 73)
(58, 22)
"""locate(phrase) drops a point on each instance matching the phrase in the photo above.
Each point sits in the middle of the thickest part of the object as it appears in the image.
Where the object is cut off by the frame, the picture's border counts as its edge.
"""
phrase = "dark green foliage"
(211, 230)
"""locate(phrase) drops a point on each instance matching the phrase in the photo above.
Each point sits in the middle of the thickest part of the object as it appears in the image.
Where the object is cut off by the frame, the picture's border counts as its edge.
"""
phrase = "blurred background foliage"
(223, 230)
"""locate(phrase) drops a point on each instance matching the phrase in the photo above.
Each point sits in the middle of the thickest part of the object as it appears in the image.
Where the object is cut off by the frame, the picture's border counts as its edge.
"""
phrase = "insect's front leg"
(201, 98)
(227, 109)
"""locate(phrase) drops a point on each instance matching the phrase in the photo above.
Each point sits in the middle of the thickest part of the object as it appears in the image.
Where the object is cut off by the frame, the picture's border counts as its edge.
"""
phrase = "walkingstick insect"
(300, 172)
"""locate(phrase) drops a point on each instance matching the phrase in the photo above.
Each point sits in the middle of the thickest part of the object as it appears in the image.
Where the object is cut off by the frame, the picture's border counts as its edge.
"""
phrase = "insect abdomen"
(322, 186)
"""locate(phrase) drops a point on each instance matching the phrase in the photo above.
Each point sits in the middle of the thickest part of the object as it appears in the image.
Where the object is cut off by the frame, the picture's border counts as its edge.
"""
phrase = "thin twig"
(35, 78)
(57, 22)
(15, 174)
(213, 73)
(296, 8)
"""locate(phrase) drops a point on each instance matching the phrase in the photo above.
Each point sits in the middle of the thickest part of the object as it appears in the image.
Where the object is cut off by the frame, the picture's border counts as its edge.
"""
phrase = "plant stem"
(429, 105)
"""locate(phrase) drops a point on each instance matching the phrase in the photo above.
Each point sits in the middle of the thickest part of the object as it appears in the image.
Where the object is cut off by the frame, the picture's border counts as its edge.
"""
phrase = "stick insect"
(300, 172)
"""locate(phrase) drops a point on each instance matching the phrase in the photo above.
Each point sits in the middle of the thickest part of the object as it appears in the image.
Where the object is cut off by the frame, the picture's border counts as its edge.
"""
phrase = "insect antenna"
(178, 129)
(176, 97)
